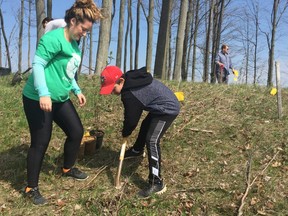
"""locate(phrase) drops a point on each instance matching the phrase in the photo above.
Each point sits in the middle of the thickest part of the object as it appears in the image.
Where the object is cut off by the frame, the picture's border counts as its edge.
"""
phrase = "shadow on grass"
(13, 165)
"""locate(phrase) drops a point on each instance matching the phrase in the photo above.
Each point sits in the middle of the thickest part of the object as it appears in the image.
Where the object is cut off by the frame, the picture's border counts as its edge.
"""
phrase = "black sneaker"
(151, 190)
(35, 196)
(76, 173)
(131, 153)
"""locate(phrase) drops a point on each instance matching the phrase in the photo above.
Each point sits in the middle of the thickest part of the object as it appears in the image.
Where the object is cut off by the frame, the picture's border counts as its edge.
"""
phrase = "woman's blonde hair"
(83, 9)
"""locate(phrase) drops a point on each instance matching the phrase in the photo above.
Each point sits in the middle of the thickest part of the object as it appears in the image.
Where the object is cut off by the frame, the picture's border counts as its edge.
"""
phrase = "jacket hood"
(137, 78)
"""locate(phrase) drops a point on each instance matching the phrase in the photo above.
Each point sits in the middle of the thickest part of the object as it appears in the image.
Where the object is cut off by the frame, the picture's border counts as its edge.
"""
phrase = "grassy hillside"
(223, 136)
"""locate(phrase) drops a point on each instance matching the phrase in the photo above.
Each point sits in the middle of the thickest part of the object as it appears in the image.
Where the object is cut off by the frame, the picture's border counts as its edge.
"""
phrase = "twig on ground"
(198, 130)
(181, 129)
(100, 170)
(249, 185)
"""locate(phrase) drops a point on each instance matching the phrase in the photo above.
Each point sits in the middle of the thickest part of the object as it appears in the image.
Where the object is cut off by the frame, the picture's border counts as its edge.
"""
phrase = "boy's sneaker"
(151, 190)
(35, 196)
(75, 173)
(132, 153)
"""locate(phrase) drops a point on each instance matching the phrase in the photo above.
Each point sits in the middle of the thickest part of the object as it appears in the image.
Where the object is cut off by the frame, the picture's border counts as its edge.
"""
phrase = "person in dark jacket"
(140, 92)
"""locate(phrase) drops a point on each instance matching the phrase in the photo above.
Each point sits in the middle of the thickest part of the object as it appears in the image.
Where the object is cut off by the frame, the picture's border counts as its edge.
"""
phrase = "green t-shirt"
(63, 59)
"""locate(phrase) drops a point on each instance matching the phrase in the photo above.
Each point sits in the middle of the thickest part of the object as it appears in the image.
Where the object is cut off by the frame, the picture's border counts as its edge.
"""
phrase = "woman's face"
(78, 30)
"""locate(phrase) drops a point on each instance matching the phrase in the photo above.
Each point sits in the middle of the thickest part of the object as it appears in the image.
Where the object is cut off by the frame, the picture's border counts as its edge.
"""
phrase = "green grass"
(204, 156)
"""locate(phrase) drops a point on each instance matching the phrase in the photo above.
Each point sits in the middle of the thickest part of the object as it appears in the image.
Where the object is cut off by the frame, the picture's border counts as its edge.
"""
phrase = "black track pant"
(40, 125)
(151, 131)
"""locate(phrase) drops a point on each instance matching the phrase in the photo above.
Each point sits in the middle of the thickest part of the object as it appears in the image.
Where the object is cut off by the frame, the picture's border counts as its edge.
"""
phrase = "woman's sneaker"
(35, 196)
(151, 190)
(75, 173)
(132, 153)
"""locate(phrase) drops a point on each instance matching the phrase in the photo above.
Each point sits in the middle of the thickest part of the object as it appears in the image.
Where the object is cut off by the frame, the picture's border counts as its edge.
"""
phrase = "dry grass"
(205, 155)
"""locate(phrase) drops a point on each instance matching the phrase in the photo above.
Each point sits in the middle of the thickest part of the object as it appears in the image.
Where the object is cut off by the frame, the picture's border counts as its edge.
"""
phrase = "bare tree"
(29, 33)
(185, 59)
(91, 51)
(126, 37)
(137, 35)
(104, 37)
(5, 41)
(0, 46)
(20, 40)
(194, 32)
(120, 34)
(130, 32)
(254, 11)
(163, 38)
(180, 40)
(40, 15)
(49, 8)
(82, 51)
(275, 19)
(208, 42)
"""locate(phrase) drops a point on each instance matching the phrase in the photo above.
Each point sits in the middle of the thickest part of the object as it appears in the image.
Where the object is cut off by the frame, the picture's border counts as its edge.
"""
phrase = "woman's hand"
(45, 103)
(81, 99)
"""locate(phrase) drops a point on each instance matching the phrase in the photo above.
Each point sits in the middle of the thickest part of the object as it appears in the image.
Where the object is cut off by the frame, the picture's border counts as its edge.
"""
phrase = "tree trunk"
(218, 20)
(163, 36)
(82, 51)
(137, 35)
(91, 51)
(20, 39)
(49, 8)
(149, 47)
(29, 34)
(195, 37)
(5, 40)
(120, 34)
(131, 32)
(149, 44)
(104, 37)
(207, 43)
(247, 50)
(256, 21)
(180, 40)
(272, 42)
(0, 47)
(186, 39)
(126, 40)
(40, 15)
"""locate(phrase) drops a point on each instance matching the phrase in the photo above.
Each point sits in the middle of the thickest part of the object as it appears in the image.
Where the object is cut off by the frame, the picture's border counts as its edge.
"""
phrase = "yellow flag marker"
(236, 74)
(180, 96)
(273, 91)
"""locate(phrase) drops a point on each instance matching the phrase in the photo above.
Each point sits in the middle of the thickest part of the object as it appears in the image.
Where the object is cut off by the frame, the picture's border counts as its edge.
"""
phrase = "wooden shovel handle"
(119, 169)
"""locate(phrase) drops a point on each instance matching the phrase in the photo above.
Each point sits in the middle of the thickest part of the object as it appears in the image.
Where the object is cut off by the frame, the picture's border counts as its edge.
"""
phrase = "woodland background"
(175, 39)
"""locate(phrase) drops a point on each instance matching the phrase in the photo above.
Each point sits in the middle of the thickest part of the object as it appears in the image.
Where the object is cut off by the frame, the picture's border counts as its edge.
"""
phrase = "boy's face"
(118, 86)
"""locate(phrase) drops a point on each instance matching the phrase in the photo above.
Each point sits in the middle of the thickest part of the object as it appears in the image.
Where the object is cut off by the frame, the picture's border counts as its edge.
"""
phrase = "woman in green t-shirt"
(46, 94)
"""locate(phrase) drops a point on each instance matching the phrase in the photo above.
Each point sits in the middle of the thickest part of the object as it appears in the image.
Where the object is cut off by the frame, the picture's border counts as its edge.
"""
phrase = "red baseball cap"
(109, 76)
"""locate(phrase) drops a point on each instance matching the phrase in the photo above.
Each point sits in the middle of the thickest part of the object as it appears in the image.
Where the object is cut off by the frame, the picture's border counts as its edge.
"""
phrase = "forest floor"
(226, 141)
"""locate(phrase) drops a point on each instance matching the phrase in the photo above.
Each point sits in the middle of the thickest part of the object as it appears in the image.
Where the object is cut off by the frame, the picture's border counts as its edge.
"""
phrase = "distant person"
(140, 92)
(47, 91)
(223, 65)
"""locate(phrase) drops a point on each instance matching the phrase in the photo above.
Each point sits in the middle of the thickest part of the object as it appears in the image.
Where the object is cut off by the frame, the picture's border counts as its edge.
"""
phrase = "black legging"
(40, 125)
(152, 129)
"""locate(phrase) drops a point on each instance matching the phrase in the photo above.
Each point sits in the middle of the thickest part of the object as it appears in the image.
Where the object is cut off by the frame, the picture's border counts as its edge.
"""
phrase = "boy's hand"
(81, 99)
(125, 139)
